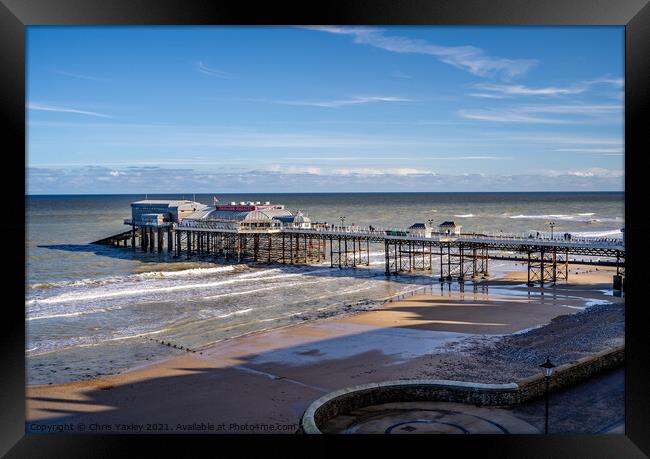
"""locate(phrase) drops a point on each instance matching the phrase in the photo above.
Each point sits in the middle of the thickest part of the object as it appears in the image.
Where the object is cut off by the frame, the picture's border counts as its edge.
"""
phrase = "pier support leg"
(143, 239)
(367, 252)
(290, 248)
(133, 237)
(339, 238)
(554, 268)
(387, 257)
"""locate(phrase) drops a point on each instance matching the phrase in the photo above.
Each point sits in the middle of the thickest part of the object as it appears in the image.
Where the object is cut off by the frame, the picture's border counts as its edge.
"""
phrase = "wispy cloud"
(80, 76)
(555, 138)
(506, 116)
(364, 171)
(517, 89)
(528, 114)
(356, 100)
(599, 151)
(486, 95)
(400, 74)
(591, 172)
(201, 67)
(509, 90)
(59, 109)
(469, 58)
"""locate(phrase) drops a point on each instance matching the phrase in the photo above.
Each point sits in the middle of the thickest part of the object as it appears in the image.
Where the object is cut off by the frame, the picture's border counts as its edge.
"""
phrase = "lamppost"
(547, 368)
(552, 225)
(342, 218)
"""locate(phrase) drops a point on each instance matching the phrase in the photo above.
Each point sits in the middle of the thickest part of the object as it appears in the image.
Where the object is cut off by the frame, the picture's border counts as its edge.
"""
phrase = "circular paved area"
(427, 418)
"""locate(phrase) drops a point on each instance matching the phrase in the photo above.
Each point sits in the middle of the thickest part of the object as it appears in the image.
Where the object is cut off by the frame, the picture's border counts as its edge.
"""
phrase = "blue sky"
(324, 108)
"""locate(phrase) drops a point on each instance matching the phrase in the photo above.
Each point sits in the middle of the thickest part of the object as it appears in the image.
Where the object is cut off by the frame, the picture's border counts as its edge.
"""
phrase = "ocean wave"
(155, 289)
(235, 313)
(263, 289)
(130, 277)
(55, 315)
(583, 217)
(616, 233)
(465, 215)
(52, 345)
(184, 272)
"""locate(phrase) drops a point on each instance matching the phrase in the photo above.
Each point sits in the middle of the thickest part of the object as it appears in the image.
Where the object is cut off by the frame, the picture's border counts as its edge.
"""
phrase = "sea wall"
(351, 398)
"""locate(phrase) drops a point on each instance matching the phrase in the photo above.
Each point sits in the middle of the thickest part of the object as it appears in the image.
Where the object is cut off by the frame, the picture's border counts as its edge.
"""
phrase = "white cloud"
(356, 100)
(517, 89)
(563, 139)
(400, 74)
(604, 151)
(507, 90)
(524, 114)
(591, 172)
(201, 67)
(59, 109)
(485, 95)
(361, 171)
(582, 109)
(80, 76)
(468, 58)
(94, 179)
(506, 116)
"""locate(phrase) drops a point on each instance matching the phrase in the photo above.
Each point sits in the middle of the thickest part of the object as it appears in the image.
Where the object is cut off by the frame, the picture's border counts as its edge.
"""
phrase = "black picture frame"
(15, 15)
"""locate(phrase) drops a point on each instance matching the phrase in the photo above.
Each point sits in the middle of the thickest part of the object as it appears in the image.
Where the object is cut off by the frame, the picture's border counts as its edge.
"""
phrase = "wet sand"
(263, 382)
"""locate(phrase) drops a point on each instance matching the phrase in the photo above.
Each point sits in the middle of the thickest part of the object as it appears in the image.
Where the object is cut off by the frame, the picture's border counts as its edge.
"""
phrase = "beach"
(263, 381)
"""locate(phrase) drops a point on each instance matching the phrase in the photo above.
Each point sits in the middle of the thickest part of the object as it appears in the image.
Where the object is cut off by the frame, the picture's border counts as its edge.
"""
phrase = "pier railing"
(400, 233)
(380, 233)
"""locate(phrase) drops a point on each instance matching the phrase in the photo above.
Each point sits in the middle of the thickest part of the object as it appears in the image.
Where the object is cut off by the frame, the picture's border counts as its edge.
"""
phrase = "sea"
(94, 310)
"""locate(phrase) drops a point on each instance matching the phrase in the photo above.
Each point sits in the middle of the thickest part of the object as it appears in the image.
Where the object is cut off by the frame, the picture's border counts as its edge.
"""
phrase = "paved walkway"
(595, 406)
(428, 418)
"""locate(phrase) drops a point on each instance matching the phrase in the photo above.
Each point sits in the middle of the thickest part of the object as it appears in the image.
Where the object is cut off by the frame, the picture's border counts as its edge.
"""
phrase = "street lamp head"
(547, 367)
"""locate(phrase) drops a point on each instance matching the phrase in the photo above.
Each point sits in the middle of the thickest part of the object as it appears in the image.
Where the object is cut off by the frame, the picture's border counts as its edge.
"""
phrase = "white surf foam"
(581, 217)
(615, 233)
(185, 272)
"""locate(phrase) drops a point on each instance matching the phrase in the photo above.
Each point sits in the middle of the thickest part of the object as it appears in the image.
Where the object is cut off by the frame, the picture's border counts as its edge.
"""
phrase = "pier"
(268, 233)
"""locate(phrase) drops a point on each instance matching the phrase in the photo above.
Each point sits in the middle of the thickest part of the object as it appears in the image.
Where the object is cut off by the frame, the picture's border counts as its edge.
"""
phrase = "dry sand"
(249, 383)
